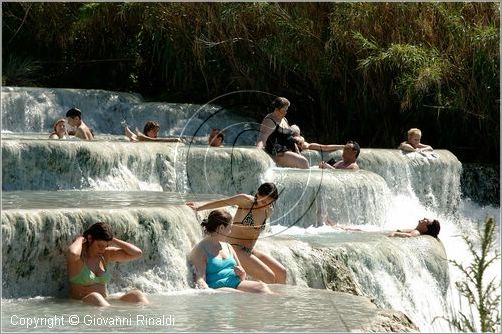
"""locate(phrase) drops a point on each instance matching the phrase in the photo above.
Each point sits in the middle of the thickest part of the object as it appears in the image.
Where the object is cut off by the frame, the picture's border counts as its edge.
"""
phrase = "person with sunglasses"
(248, 223)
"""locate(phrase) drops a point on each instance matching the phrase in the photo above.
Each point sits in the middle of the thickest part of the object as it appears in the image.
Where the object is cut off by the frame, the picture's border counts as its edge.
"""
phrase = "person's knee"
(135, 296)
(262, 287)
(95, 298)
(268, 276)
(281, 275)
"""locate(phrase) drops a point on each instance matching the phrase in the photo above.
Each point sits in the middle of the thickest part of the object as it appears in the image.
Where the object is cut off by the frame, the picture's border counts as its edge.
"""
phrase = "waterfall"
(36, 110)
(433, 178)
(345, 197)
(53, 190)
(79, 165)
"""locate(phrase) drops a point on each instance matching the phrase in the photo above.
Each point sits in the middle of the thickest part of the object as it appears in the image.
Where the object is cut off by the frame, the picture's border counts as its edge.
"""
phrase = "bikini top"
(87, 277)
(248, 219)
(281, 136)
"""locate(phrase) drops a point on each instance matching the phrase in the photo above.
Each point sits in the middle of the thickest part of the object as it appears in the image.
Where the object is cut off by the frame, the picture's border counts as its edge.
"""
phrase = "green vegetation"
(482, 295)
(363, 71)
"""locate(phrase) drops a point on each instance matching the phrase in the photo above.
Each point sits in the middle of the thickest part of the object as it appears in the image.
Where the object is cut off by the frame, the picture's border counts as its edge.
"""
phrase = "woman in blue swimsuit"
(87, 260)
(249, 221)
(216, 264)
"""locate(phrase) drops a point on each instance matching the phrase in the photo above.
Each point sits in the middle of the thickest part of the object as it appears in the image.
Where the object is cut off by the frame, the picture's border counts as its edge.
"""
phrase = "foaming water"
(108, 112)
(53, 189)
(200, 311)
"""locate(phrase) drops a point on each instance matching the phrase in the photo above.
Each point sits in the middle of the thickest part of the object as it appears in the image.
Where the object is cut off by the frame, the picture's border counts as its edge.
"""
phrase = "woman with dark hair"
(276, 137)
(216, 263)
(425, 226)
(88, 257)
(150, 133)
(249, 221)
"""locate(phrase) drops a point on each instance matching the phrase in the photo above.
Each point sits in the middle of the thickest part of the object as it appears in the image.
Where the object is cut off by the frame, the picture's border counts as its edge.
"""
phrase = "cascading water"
(53, 189)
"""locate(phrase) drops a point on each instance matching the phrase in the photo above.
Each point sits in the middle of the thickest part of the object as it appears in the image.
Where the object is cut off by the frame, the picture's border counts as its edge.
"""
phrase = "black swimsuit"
(281, 140)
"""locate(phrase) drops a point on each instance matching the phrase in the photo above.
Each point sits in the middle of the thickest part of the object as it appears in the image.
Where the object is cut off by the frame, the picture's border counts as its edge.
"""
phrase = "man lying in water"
(425, 226)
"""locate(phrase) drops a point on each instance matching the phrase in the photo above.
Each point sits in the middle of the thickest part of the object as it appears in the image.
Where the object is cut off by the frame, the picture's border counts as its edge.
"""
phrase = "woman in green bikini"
(87, 260)
(248, 223)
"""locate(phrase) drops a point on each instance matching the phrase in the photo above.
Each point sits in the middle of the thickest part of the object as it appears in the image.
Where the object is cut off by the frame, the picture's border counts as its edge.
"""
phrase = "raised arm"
(75, 249)
(142, 137)
(198, 259)
(266, 129)
(239, 200)
(324, 148)
(123, 251)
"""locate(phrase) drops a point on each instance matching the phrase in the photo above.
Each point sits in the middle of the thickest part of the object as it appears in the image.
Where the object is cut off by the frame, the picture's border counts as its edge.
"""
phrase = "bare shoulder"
(245, 199)
(267, 120)
(197, 251)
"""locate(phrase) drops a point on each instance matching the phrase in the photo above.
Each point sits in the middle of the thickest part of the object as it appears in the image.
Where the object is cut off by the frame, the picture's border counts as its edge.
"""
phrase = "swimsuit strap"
(248, 218)
(104, 262)
(229, 251)
(209, 255)
(276, 124)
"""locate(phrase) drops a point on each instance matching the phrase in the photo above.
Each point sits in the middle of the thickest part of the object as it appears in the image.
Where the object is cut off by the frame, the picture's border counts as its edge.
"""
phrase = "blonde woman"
(413, 143)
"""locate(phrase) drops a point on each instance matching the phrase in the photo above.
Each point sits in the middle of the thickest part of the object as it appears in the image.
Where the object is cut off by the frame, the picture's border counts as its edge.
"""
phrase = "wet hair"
(268, 189)
(57, 122)
(280, 102)
(356, 147)
(215, 219)
(99, 231)
(150, 125)
(74, 112)
(414, 131)
(433, 228)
